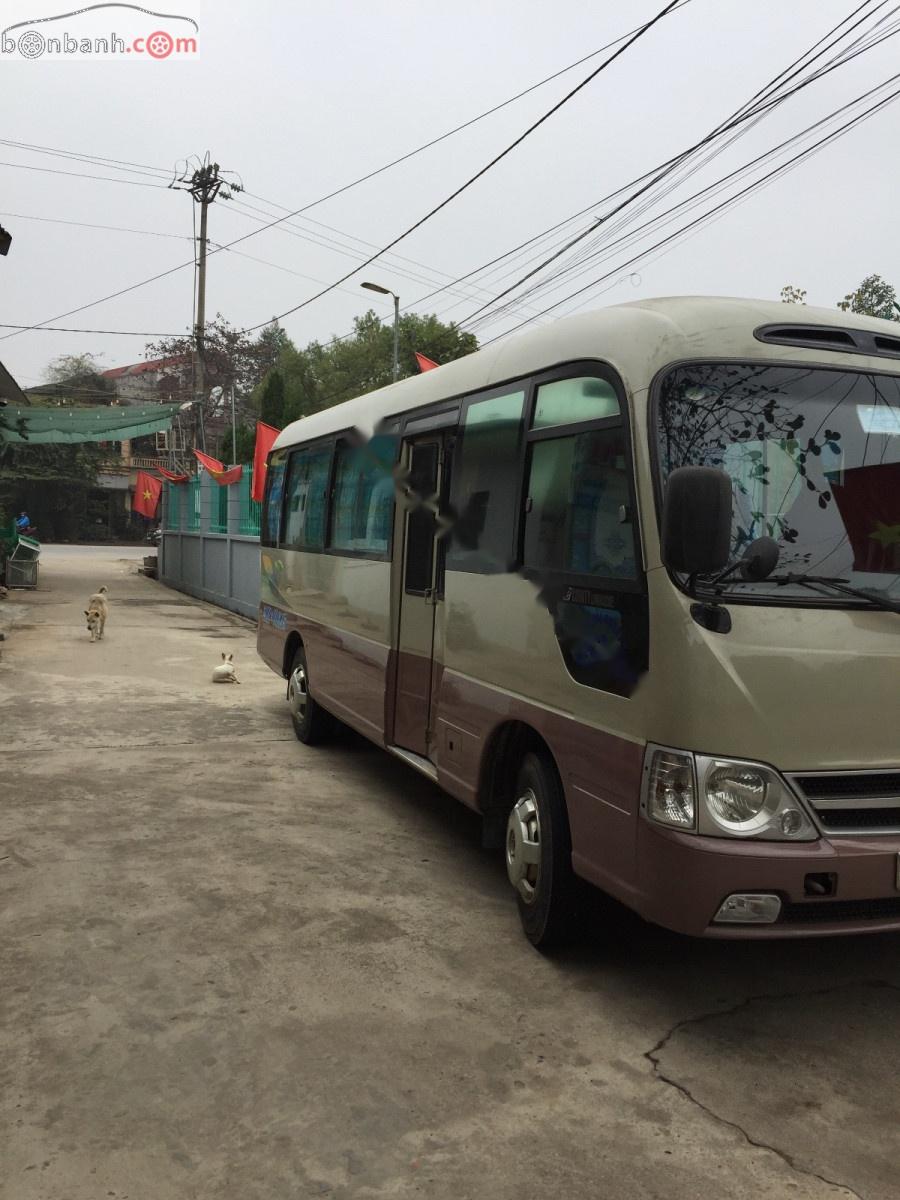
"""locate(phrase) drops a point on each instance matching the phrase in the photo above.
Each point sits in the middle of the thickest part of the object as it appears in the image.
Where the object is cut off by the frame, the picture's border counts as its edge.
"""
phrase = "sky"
(298, 99)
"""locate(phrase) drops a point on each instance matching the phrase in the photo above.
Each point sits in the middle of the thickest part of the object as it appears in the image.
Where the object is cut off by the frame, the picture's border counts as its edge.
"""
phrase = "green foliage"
(271, 400)
(246, 440)
(325, 374)
(73, 379)
(874, 297)
(69, 366)
(50, 483)
(793, 295)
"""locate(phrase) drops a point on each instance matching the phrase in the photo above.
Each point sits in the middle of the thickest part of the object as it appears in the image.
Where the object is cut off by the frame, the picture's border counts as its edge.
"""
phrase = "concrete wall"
(222, 568)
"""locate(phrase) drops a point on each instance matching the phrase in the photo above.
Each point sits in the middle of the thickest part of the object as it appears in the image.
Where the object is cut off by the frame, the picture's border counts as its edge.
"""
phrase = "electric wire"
(767, 100)
(727, 203)
(484, 170)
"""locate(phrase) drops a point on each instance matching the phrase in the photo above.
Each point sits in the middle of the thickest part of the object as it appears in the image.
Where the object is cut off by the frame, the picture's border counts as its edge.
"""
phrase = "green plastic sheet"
(40, 426)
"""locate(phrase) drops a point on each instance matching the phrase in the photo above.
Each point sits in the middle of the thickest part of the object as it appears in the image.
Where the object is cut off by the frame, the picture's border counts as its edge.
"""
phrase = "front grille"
(851, 783)
(871, 800)
(839, 910)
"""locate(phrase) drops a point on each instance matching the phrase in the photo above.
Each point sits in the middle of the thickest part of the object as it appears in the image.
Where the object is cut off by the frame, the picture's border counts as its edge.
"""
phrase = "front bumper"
(684, 878)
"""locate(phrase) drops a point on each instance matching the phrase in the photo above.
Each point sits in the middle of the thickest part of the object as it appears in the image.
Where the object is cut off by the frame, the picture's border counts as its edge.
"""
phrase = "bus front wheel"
(539, 853)
(311, 722)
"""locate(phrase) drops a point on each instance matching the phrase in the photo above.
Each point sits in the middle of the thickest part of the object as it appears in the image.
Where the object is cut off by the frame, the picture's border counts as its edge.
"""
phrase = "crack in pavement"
(653, 1057)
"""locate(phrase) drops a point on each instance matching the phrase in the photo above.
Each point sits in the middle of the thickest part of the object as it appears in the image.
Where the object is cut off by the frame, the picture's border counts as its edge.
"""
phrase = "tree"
(325, 374)
(271, 400)
(67, 366)
(74, 379)
(230, 359)
(793, 295)
(246, 443)
(52, 484)
(874, 297)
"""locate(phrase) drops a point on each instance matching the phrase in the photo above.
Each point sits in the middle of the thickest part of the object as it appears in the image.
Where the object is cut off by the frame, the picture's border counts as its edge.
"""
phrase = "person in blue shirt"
(23, 523)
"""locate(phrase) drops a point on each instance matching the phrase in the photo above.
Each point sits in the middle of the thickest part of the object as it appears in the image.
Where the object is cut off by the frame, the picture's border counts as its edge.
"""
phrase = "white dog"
(96, 612)
(225, 672)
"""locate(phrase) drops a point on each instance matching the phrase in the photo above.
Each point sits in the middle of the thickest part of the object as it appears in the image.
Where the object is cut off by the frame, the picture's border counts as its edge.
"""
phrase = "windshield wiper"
(838, 585)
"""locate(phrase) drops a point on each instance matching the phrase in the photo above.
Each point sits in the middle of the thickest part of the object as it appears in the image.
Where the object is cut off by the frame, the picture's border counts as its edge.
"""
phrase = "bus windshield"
(814, 460)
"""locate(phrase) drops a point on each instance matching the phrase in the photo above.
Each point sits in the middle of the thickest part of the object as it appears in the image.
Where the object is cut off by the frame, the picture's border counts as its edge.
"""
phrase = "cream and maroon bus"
(629, 587)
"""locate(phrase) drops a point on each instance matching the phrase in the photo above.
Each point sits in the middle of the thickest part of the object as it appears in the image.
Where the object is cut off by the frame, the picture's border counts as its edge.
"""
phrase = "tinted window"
(363, 505)
(420, 525)
(271, 522)
(578, 494)
(567, 401)
(307, 492)
(485, 490)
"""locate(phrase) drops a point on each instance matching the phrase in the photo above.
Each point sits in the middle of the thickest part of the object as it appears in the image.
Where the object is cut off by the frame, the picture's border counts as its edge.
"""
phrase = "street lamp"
(376, 287)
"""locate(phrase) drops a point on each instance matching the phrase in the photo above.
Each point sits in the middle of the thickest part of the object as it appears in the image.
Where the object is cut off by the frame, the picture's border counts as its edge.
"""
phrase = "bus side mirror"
(696, 521)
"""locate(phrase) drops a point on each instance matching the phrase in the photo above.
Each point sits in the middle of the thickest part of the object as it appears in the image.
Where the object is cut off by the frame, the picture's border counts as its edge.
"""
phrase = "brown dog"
(96, 612)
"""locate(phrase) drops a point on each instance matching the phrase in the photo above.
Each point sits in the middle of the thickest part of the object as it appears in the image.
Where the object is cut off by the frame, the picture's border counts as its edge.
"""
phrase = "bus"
(629, 587)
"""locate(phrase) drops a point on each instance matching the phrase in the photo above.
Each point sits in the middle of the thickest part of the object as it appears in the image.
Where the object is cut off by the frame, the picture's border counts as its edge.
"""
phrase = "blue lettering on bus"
(274, 617)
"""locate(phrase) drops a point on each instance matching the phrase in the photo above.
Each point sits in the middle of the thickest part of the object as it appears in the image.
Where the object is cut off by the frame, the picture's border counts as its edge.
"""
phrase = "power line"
(691, 202)
(746, 112)
(81, 175)
(181, 237)
(111, 164)
(111, 332)
(742, 115)
(483, 171)
(162, 172)
(93, 303)
(704, 217)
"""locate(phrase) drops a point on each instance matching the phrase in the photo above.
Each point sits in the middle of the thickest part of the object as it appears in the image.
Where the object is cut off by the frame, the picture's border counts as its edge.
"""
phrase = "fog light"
(749, 909)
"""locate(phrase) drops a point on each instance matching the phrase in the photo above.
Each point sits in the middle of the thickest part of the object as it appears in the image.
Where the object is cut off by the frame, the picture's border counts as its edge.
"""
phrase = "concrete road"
(237, 968)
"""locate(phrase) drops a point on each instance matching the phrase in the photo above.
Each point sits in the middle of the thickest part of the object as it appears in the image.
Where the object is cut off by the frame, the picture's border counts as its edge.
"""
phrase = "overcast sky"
(299, 98)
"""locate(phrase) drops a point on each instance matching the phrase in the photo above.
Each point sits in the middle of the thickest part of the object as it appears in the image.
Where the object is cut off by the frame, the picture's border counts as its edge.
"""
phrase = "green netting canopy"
(37, 426)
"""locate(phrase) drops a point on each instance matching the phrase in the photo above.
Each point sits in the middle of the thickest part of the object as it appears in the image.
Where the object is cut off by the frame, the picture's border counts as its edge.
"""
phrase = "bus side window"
(270, 526)
(307, 494)
(420, 525)
(578, 489)
(484, 492)
(363, 502)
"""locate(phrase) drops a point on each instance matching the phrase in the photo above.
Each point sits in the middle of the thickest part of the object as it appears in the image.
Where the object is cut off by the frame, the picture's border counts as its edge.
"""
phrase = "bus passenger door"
(415, 640)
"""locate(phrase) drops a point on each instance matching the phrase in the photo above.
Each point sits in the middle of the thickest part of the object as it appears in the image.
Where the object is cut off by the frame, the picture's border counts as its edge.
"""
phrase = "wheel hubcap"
(297, 694)
(523, 846)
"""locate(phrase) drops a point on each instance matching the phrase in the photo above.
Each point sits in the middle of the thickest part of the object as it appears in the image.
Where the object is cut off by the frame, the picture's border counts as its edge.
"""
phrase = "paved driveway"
(237, 968)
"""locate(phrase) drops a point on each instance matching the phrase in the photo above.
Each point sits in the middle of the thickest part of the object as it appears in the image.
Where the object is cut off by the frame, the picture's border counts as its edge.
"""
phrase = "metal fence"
(210, 542)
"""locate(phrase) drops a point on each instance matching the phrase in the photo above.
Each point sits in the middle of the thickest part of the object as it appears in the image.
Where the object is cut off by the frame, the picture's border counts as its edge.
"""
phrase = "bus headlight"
(744, 799)
(721, 797)
(736, 794)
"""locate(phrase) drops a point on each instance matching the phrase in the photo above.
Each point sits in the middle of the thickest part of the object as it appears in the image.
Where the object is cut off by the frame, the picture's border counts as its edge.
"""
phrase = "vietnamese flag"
(172, 476)
(147, 491)
(265, 439)
(217, 469)
(868, 499)
(425, 364)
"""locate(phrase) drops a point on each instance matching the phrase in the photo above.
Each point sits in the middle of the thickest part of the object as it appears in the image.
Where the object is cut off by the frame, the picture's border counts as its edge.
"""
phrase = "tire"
(312, 724)
(539, 854)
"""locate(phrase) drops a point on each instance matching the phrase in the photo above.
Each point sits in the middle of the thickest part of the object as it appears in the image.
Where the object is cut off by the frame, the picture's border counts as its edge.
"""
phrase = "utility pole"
(205, 183)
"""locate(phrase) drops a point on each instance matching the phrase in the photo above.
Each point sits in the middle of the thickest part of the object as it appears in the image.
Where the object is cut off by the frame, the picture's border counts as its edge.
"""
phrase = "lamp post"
(376, 287)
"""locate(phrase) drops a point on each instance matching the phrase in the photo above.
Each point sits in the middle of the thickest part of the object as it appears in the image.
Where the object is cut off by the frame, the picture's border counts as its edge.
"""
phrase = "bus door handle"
(428, 596)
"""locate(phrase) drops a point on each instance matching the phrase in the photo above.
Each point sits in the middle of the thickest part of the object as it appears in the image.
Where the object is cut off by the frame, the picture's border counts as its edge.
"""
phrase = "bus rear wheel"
(539, 854)
(312, 724)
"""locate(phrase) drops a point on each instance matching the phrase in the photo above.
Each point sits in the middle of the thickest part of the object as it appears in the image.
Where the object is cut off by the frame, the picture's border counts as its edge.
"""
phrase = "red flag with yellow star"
(147, 491)
(217, 470)
(868, 500)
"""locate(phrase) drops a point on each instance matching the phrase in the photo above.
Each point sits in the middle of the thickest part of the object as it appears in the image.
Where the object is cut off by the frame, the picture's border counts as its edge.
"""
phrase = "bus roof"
(637, 339)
